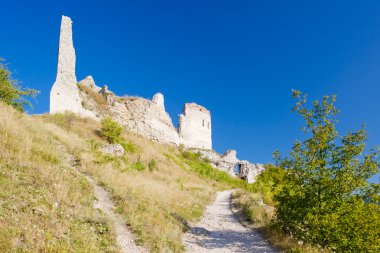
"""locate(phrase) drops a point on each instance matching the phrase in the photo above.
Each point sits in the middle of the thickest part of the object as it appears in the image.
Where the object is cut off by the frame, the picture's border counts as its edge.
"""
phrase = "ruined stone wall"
(64, 95)
(229, 163)
(145, 117)
(195, 126)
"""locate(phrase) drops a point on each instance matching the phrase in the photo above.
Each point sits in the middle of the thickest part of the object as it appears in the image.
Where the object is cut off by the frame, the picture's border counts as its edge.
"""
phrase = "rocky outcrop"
(158, 99)
(89, 82)
(112, 149)
(249, 171)
(146, 118)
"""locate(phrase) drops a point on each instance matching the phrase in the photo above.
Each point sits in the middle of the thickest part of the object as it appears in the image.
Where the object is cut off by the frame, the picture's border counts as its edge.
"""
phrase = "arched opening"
(237, 169)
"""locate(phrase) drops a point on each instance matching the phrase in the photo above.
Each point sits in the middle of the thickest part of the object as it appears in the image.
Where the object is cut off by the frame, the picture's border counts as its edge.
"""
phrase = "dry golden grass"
(99, 99)
(155, 202)
(45, 206)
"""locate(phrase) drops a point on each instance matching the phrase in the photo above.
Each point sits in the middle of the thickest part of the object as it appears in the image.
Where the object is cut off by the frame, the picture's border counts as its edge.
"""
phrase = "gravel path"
(220, 231)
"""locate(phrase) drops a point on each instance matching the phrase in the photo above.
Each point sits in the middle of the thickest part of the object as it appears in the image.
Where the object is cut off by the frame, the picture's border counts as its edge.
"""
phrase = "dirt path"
(220, 231)
(124, 237)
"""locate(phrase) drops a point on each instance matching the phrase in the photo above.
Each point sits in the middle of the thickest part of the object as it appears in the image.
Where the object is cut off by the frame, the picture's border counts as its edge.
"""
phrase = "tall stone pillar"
(64, 95)
(66, 54)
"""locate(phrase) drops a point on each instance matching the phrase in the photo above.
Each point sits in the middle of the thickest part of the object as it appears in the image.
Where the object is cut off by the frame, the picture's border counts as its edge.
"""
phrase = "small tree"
(327, 199)
(11, 92)
(111, 130)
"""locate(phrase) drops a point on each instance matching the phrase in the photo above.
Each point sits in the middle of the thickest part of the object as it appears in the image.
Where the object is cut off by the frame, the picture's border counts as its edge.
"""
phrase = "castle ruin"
(140, 115)
(146, 117)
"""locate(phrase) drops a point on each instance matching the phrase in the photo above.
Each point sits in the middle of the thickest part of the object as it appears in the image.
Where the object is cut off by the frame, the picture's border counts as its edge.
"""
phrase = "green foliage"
(138, 166)
(327, 199)
(152, 165)
(269, 182)
(111, 130)
(11, 92)
(129, 146)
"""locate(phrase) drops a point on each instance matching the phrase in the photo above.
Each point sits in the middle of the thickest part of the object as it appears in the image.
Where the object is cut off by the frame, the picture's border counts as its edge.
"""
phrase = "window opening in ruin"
(237, 169)
(203, 123)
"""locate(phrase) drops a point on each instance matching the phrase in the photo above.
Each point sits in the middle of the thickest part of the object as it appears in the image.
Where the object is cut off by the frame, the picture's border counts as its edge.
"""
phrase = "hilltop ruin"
(146, 117)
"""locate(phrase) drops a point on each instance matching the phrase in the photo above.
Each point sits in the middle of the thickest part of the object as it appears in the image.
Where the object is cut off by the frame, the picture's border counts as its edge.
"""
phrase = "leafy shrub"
(111, 131)
(269, 182)
(11, 92)
(327, 199)
(138, 166)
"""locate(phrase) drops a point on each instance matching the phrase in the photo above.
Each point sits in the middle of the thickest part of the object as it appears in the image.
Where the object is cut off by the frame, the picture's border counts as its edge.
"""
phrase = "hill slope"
(47, 206)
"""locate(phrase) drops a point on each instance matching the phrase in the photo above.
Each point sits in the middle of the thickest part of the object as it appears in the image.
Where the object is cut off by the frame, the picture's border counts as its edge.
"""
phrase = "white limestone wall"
(158, 99)
(195, 127)
(64, 95)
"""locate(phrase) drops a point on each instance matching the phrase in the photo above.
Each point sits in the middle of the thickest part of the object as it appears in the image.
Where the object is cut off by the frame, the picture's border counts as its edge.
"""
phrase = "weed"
(152, 165)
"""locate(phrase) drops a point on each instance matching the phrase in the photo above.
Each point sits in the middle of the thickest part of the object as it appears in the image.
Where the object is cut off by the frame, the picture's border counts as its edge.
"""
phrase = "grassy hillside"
(46, 205)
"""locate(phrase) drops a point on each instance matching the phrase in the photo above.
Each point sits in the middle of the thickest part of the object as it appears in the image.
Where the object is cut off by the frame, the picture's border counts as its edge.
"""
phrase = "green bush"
(327, 199)
(111, 131)
(138, 166)
(11, 92)
(269, 182)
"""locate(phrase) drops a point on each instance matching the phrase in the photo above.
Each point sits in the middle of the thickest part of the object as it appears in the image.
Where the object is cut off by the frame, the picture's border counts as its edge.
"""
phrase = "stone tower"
(64, 95)
(195, 126)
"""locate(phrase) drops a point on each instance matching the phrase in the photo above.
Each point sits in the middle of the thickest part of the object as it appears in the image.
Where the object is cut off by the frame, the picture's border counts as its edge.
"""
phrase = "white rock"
(113, 149)
(158, 99)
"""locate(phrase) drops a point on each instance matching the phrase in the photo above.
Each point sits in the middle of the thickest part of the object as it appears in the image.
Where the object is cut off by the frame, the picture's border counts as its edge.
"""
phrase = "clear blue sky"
(240, 59)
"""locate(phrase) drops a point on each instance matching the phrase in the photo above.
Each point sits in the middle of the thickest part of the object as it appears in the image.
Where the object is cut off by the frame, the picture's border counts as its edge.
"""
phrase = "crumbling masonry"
(143, 116)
